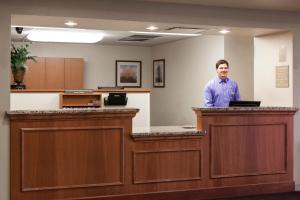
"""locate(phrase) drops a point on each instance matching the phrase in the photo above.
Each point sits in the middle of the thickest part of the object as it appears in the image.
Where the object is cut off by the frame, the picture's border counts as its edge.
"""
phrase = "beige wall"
(100, 60)
(184, 58)
(140, 11)
(239, 51)
(266, 59)
(296, 102)
(189, 65)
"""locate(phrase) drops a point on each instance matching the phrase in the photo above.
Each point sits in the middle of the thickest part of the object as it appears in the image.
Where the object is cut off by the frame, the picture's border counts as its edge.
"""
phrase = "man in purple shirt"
(221, 90)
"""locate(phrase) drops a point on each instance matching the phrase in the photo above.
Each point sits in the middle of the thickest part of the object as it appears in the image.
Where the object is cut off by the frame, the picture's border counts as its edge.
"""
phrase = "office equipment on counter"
(244, 103)
(119, 99)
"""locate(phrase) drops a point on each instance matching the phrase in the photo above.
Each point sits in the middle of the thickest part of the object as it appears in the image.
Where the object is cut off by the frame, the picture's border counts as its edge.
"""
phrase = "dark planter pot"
(18, 75)
(18, 79)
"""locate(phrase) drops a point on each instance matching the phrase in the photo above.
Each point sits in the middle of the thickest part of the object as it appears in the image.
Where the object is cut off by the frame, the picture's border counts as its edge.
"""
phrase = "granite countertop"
(73, 111)
(243, 109)
(162, 131)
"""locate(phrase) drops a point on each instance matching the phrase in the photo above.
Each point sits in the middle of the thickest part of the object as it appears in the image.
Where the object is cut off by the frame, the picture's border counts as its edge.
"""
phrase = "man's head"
(222, 68)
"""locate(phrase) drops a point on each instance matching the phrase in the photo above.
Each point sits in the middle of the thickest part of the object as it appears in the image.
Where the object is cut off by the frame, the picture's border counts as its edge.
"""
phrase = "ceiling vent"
(138, 38)
(187, 30)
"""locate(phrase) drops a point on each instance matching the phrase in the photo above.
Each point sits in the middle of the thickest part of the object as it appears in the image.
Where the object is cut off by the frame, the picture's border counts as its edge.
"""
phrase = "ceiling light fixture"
(65, 35)
(166, 33)
(152, 28)
(71, 23)
(224, 31)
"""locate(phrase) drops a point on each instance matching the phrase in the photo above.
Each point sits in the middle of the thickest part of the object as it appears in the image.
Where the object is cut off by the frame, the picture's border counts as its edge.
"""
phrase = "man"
(221, 90)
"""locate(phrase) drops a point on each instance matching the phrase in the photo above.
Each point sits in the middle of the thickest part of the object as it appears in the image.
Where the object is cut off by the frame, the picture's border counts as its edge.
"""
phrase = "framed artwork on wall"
(159, 73)
(128, 73)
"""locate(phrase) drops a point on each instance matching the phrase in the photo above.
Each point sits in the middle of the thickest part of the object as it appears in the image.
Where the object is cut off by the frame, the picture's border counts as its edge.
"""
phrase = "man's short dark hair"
(220, 62)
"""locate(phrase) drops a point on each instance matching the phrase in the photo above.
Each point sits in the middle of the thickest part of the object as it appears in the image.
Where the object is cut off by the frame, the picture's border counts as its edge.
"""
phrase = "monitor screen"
(244, 103)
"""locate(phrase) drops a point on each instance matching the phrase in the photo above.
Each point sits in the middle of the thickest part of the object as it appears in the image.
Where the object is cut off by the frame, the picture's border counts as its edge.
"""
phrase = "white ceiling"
(277, 5)
(114, 30)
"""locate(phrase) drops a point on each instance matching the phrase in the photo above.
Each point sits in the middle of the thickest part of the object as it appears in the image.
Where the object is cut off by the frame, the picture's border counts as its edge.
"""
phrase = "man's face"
(222, 71)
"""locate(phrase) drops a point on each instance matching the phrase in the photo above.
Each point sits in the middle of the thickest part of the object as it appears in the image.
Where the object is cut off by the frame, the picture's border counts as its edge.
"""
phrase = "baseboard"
(208, 193)
(297, 187)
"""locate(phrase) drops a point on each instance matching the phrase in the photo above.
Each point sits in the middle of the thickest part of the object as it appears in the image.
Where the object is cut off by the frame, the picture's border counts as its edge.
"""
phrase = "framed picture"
(159, 73)
(128, 73)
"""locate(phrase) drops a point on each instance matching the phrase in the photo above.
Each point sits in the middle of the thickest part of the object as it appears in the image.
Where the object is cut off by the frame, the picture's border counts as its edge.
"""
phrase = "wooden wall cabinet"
(54, 73)
(80, 100)
(35, 74)
(73, 73)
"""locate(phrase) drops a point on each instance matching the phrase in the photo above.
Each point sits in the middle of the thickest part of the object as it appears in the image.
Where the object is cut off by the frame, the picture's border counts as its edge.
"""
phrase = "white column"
(4, 101)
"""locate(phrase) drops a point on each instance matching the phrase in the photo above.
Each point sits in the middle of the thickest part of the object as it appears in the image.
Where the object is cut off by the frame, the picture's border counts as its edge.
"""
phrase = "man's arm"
(237, 93)
(208, 97)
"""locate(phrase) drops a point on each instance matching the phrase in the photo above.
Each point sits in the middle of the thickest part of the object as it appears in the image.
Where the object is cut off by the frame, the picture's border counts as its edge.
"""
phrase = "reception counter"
(96, 154)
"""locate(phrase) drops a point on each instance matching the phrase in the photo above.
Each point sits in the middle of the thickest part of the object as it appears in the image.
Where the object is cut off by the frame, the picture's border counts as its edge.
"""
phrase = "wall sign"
(282, 76)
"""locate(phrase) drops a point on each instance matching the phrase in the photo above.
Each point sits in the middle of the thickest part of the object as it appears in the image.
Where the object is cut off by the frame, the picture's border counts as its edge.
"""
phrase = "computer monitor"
(244, 103)
(115, 99)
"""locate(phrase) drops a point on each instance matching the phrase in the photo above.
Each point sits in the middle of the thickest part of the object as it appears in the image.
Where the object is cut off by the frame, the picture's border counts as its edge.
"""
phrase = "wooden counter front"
(91, 155)
(249, 146)
(63, 154)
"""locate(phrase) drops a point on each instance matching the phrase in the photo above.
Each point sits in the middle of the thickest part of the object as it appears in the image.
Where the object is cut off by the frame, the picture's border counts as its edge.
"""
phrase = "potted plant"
(18, 57)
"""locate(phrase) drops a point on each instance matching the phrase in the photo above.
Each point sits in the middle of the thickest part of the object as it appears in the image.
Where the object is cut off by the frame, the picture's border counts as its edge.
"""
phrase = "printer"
(116, 99)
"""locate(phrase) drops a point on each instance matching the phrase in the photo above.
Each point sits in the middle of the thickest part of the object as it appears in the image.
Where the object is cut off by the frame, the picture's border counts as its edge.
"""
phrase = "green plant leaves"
(18, 57)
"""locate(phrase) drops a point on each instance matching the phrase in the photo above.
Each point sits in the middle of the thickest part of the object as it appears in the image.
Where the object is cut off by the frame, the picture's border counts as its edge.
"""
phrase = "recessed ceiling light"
(166, 33)
(152, 28)
(224, 31)
(65, 35)
(71, 23)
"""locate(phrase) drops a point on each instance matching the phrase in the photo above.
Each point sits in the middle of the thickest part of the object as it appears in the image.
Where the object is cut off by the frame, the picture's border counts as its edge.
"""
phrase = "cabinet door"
(54, 73)
(74, 73)
(35, 74)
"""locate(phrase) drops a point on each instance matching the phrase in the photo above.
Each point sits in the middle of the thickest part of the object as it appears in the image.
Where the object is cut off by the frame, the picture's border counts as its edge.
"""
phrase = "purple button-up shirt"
(219, 92)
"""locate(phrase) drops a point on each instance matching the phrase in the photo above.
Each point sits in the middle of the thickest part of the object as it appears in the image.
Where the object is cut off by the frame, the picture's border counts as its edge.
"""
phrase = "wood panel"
(55, 158)
(250, 149)
(74, 73)
(55, 73)
(79, 100)
(166, 165)
(35, 74)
